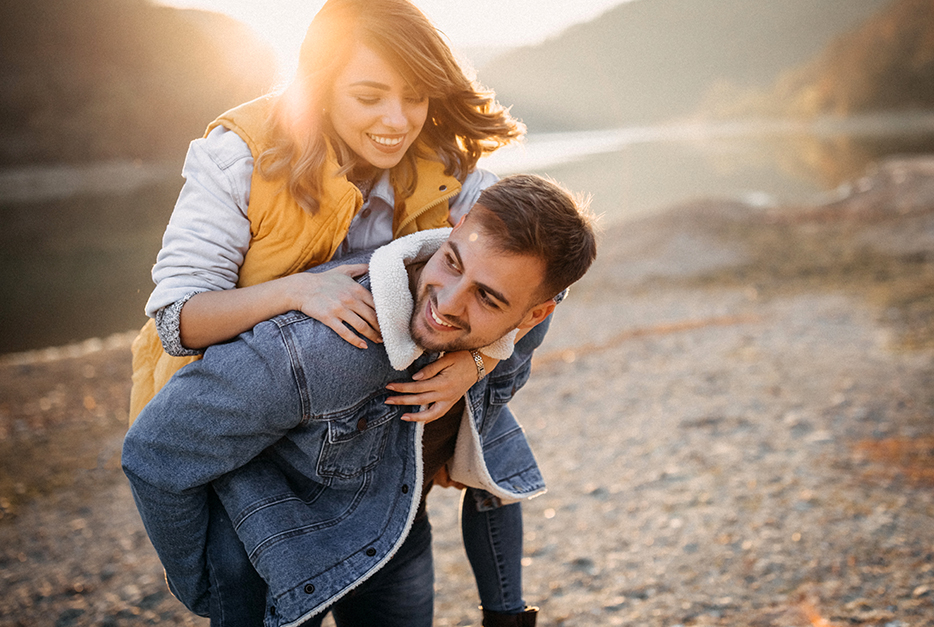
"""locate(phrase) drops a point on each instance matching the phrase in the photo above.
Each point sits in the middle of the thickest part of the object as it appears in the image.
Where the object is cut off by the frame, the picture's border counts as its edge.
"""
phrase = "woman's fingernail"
(418, 376)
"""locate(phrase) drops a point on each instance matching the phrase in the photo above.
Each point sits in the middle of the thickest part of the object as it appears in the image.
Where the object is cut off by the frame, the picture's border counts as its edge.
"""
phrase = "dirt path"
(734, 413)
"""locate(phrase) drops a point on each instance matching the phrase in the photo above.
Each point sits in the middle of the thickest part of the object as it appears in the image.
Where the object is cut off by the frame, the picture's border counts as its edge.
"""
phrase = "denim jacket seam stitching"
(285, 536)
(501, 437)
(298, 376)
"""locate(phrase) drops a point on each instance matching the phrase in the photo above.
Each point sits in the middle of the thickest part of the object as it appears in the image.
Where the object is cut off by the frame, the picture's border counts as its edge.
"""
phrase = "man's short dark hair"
(530, 215)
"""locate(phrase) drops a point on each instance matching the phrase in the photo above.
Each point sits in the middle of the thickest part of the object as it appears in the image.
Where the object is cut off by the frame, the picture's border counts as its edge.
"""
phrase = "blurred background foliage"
(102, 79)
(651, 61)
(85, 80)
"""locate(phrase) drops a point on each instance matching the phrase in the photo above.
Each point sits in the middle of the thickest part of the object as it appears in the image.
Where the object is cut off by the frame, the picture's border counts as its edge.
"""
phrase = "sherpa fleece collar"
(389, 282)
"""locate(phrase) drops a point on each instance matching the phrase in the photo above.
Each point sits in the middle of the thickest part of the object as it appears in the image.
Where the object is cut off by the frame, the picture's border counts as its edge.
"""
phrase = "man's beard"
(423, 338)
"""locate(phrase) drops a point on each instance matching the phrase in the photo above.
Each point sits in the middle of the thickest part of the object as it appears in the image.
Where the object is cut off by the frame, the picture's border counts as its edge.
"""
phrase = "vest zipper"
(424, 210)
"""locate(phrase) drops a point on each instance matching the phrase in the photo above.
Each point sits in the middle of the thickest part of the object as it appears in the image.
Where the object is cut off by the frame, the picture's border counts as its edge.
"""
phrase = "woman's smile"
(377, 113)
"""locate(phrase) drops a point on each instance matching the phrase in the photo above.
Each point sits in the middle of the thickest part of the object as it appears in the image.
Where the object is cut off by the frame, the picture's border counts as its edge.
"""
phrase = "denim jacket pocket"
(355, 442)
(504, 387)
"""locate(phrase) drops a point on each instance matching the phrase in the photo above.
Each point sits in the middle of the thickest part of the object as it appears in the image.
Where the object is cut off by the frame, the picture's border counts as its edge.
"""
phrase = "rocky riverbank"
(734, 412)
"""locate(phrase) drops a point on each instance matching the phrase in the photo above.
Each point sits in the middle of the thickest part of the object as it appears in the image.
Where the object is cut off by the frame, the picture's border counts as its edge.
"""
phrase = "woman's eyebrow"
(373, 84)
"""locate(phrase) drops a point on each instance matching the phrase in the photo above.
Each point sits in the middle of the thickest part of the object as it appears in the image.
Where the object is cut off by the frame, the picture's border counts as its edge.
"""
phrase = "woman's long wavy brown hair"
(464, 120)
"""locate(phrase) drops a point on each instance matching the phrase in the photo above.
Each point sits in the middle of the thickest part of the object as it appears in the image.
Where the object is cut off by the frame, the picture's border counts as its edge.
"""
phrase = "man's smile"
(436, 318)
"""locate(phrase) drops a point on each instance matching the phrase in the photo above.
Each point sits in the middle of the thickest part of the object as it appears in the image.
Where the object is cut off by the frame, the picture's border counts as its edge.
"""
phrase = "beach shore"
(734, 412)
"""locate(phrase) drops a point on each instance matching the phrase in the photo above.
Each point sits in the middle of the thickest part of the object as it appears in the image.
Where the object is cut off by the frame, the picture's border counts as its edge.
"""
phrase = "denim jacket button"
(309, 588)
(370, 552)
(361, 424)
(405, 489)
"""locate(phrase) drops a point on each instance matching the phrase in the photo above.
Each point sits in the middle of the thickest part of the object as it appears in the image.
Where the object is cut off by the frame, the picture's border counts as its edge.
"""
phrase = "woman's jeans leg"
(493, 541)
(238, 593)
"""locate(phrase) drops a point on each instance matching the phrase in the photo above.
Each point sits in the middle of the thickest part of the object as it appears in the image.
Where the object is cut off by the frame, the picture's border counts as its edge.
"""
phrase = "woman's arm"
(205, 244)
(332, 297)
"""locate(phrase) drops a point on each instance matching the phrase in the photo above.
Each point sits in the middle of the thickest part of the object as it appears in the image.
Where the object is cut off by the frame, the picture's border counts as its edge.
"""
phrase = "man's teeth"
(386, 141)
(439, 320)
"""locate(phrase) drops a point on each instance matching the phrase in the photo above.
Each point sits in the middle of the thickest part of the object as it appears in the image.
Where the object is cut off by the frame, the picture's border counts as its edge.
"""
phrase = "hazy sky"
(468, 23)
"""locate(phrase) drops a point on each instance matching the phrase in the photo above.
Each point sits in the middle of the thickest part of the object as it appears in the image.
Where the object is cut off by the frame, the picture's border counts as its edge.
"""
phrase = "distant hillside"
(105, 79)
(650, 60)
(885, 64)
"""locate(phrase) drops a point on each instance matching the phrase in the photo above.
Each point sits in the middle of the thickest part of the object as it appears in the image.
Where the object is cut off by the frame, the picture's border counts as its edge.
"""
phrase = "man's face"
(469, 294)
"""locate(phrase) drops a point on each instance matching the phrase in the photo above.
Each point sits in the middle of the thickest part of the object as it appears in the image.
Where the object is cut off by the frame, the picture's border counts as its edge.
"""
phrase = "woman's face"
(374, 110)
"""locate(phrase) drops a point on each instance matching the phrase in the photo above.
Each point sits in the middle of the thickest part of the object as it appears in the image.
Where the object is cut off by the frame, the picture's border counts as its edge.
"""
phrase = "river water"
(78, 243)
(635, 171)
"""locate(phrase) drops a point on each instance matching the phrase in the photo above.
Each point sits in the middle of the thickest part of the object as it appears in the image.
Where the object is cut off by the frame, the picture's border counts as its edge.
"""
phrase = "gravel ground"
(734, 413)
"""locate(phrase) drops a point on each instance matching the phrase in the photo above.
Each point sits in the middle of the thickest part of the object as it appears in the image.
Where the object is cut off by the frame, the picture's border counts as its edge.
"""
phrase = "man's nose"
(450, 300)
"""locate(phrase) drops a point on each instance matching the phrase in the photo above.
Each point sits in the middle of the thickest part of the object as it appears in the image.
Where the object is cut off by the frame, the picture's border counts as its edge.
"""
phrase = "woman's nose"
(394, 114)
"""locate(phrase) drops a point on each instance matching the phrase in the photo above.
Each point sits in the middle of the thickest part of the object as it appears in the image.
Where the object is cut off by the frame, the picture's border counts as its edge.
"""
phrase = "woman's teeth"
(386, 141)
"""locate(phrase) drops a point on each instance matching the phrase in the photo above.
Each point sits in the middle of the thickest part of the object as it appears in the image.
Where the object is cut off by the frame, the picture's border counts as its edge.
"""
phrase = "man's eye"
(488, 300)
(365, 100)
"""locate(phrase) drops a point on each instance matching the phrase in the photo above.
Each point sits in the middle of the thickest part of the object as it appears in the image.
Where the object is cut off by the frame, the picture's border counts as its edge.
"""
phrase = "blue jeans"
(402, 589)
(237, 593)
(493, 541)
(401, 594)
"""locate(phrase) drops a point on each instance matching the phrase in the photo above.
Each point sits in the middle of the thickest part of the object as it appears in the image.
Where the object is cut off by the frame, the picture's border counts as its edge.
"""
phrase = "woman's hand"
(440, 384)
(443, 480)
(334, 298)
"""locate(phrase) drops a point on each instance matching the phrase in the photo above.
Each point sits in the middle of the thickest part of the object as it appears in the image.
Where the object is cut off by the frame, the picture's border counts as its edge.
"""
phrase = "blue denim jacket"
(321, 478)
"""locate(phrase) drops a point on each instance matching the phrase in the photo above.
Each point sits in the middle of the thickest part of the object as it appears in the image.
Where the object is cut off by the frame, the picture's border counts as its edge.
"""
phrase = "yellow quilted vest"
(285, 238)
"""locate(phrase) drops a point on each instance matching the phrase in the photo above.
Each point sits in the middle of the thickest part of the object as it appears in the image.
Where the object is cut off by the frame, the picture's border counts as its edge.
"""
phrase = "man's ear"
(537, 314)
(461, 221)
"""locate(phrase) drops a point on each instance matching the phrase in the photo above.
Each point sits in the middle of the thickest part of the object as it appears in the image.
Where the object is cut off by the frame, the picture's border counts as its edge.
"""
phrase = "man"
(289, 425)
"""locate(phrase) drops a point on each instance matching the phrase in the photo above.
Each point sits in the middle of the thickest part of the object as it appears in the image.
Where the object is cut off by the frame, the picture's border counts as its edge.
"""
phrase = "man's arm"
(211, 418)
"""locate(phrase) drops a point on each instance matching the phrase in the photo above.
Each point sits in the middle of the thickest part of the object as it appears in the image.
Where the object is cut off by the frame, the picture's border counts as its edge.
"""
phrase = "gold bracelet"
(481, 369)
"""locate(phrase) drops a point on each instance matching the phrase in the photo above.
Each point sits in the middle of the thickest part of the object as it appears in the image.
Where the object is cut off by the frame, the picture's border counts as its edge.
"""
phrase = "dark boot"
(525, 618)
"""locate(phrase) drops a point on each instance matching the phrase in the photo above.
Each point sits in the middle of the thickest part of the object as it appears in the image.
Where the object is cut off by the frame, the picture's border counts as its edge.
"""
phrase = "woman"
(330, 177)
(378, 136)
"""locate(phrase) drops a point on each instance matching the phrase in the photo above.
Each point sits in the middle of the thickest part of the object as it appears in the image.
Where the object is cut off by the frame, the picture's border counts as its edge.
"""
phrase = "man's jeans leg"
(238, 593)
(401, 594)
(493, 541)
